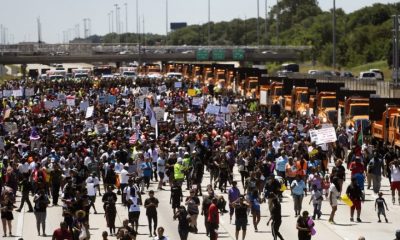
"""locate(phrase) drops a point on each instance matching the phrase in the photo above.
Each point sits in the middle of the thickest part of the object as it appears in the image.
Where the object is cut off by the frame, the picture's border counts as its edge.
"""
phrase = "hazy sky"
(58, 16)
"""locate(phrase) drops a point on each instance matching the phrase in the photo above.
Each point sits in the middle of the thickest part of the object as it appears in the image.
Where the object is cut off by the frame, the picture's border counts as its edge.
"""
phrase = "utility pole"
(266, 22)
(109, 22)
(119, 20)
(39, 25)
(209, 23)
(126, 17)
(166, 21)
(258, 22)
(112, 21)
(116, 18)
(334, 35)
(77, 31)
(396, 47)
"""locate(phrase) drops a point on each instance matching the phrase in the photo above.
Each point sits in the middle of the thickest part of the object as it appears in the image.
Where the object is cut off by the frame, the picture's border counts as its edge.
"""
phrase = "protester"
(241, 207)
(41, 201)
(380, 205)
(355, 194)
(151, 205)
(276, 217)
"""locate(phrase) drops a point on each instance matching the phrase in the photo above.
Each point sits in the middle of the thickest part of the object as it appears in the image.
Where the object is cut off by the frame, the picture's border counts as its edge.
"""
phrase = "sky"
(60, 17)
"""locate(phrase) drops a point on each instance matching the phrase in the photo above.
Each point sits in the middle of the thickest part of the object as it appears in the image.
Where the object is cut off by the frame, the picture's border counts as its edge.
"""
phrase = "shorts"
(92, 199)
(356, 204)
(381, 211)
(133, 216)
(395, 186)
(241, 223)
(7, 216)
(161, 175)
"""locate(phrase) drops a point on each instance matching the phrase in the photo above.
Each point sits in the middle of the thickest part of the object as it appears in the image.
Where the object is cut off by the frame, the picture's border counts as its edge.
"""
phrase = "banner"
(7, 93)
(17, 93)
(29, 92)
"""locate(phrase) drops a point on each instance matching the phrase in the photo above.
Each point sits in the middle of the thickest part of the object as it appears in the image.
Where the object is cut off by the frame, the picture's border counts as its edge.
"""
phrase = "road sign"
(238, 54)
(202, 55)
(218, 55)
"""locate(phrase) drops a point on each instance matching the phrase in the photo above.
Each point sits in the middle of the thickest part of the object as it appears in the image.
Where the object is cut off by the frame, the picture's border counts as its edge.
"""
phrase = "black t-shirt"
(241, 211)
(354, 192)
(276, 211)
(151, 210)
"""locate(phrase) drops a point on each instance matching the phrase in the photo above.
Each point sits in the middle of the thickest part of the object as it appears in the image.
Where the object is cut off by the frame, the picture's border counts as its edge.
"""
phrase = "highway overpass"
(90, 53)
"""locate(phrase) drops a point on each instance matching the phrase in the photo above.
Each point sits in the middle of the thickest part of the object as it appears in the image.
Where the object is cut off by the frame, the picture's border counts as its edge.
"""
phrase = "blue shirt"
(298, 187)
(146, 167)
(233, 194)
(281, 163)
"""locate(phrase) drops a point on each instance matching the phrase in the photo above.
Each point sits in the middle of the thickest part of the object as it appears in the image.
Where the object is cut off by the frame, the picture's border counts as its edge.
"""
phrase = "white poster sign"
(197, 101)
(71, 101)
(89, 112)
(323, 135)
(263, 97)
(159, 113)
(17, 93)
(29, 92)
(178, 84)
(83, 106)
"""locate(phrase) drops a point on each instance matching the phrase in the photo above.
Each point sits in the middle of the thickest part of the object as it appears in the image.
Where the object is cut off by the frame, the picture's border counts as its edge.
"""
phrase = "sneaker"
(379, 221)
(359, 220)
(332, 222)
(351, 219)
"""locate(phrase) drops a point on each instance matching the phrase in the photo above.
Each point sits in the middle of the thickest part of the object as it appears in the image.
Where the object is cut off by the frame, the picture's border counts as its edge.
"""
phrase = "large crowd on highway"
(69, 144)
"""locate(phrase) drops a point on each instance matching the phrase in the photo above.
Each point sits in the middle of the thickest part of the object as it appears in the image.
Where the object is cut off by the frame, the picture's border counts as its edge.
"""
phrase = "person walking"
(233, 195)
(213, 219)
(375, 169)
(109, 199)
(62, 233)
(334, 194)
(193, 203)
(316, 199)
(355, 194)
(6, 207)
(160, 234)
(183, 225)
(41, 201)
(304, 229)
(298, 188)
(380, 203)
(276, 217)
(255, 203)
(55, 180)
(91, 192)
(241, 206)
(394, 167)
(26, 187)
(132, 192)
(151, 205)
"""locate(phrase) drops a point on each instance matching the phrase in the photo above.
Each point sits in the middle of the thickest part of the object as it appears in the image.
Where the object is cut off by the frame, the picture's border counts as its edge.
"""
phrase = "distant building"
(177, 25)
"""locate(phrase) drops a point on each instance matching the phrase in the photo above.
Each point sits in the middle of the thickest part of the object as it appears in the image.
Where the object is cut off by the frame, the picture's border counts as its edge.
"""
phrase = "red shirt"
(60, 234)
(356, 167)
(213, 216)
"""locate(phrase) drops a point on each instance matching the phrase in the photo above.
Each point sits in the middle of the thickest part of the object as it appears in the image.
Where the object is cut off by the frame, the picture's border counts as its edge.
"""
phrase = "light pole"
(112, 21)
(126, 17)
(334, 35)
(209, 22)
(109, 22)
(166, 21)
(266, 22)
(258, 22)
(116, 18)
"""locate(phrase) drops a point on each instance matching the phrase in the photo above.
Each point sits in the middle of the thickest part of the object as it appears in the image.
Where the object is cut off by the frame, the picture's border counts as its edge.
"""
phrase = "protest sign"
(197, 101)
(7, 93)
(243, 142)
(17, 93)
(159, 113)
(83, 106)
(11, 127)
(70, 100)
(212, 109)
(89, 112)
(111, 99)
(233, 108)
(178, 84)
(29, 92)
(191, 92)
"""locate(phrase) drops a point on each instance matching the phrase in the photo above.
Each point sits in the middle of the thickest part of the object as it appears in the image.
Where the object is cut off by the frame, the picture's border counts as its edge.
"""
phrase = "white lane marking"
(20, 224)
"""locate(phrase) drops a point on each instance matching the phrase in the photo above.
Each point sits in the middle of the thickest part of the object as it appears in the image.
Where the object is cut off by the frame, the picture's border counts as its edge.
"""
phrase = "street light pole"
(258, 22)
(334, 35)
(116, 18)
(112, 21)
(266, 22)
(126, 17)
(209, 22)
(166, 21)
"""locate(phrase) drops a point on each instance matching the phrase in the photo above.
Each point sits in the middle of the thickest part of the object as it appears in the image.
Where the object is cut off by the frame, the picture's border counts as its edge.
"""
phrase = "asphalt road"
(24, 223)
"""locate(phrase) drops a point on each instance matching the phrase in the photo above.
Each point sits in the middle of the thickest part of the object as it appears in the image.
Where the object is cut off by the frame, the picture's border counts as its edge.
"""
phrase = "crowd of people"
(65, 143)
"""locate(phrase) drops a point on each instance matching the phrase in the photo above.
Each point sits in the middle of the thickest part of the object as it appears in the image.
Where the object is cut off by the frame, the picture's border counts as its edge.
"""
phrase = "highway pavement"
(24, 223)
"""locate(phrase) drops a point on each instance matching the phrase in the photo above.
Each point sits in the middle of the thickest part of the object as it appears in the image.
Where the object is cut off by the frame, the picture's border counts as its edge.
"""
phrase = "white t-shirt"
(134, 207)
(124, 176)
(335, 194)
(160, 165)
(118, 167)
(395, 173)
(23, 168)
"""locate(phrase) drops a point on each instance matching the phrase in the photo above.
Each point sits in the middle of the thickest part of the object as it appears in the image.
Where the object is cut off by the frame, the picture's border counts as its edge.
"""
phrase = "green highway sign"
(218, 55)
(202, 55)
(238, 54)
